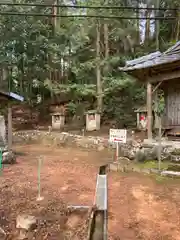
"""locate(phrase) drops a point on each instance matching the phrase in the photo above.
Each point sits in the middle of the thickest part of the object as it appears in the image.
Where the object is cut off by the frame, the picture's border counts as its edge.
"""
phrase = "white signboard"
(118, 135)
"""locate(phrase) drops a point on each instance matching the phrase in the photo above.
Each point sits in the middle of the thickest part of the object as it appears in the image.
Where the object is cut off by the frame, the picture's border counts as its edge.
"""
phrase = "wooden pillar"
(138, 120)
(149, 110)
(156, 120)
(9, 127)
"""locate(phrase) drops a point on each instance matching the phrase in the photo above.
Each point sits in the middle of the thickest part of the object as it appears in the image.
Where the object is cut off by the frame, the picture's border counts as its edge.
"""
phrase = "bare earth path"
(139, 206)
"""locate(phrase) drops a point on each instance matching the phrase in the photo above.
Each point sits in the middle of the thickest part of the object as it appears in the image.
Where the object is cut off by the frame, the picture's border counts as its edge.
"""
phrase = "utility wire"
(87, 7)
(81, 16)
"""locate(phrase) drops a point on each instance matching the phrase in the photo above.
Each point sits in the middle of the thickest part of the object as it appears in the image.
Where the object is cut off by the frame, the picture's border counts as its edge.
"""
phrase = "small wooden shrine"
(6, 99)
(160, 70)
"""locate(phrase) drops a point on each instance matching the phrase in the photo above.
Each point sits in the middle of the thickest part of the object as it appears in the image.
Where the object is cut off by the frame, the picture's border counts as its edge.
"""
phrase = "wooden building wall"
(172, 103)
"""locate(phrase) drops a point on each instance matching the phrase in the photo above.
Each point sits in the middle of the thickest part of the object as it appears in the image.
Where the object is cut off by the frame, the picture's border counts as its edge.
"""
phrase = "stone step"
(175, 158)
(170, 173)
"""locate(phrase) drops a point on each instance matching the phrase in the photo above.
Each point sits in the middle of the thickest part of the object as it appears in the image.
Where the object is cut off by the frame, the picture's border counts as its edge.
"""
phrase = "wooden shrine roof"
(154, 63)
(10, 96)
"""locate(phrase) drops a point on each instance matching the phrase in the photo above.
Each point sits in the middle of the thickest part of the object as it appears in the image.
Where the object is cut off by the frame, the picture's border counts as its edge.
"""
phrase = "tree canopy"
(42, 56)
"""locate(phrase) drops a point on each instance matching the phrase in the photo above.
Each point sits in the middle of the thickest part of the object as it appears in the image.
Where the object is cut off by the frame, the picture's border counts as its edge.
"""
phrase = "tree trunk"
(21, 69)
(147, 26)
(178, 28)
(106, 40)
(4, 78)
(98, 70)
(54, 10)
(157, 26)
(106, 45)
(138, 24)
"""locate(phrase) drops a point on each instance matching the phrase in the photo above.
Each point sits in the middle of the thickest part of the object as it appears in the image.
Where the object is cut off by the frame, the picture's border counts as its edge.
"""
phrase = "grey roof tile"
(154, 59)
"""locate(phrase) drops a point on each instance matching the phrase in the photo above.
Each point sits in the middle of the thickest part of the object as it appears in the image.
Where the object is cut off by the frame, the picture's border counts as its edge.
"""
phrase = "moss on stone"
(176, 152)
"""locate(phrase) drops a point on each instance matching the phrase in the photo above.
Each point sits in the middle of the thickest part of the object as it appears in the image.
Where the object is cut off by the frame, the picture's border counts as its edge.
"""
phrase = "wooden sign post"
(39, 198)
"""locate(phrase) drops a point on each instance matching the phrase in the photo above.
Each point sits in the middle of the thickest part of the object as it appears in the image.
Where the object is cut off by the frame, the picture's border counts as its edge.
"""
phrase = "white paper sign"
(118, 135)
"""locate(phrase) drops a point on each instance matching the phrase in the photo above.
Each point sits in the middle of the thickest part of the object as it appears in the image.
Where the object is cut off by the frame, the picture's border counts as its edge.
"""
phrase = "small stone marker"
(2, 231)
(8, 157)
(39, 198)
(22, 234)
(170, 173)
(24, 224)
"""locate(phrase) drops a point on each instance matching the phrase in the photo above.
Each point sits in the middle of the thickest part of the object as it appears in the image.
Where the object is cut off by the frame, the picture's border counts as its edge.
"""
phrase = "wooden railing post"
(9, 128)
(149, 110)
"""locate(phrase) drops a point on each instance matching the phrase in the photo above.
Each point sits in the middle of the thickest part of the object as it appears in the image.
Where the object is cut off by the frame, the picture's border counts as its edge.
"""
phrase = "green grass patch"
(153, 165)
(161, 179)
(167, 180)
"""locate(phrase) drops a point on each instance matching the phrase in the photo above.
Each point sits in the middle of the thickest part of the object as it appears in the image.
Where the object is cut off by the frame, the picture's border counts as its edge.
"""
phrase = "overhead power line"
(82, 16)
(87, 7)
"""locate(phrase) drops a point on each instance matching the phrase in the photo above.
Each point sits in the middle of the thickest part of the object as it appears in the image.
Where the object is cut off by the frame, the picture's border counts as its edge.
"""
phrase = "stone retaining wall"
(119, 167)
(66, 139)
(131, 150)
(60, 139)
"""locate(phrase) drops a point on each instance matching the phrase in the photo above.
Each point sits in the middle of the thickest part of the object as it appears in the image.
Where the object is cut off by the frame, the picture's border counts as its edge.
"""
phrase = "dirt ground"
(139, 206)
